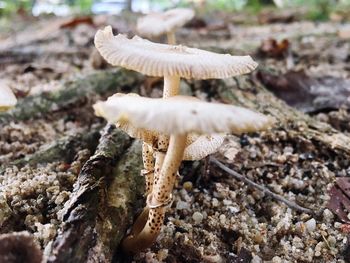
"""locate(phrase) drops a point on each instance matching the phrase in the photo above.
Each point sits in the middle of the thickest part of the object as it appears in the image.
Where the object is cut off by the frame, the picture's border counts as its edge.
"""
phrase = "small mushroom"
(170, 62)
(197, 147)
(157, 24)
(176, 117)
(7, 98)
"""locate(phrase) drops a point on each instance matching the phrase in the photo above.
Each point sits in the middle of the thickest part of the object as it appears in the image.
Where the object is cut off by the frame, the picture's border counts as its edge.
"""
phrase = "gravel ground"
(216, 218)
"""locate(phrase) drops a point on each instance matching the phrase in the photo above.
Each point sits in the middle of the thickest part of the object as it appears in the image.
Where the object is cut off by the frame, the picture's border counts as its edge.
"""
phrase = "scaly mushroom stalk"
(163, 188)
(137, 240)
(159, 199)
(171, 37)
(148, 164)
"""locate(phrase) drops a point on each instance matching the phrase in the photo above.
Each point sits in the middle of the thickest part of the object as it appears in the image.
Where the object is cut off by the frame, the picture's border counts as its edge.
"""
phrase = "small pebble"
(232, 209)
(215, 202)
(311, 225)
(256, 259)
(188, 186)
(276, 259)
(227, 202)
(331, 241)
(180, 205)
(222, 219)
(162, 254)
(197, 217)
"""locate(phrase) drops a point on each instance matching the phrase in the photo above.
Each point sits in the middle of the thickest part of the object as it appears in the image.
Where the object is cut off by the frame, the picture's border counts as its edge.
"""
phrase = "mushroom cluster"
(172, 128)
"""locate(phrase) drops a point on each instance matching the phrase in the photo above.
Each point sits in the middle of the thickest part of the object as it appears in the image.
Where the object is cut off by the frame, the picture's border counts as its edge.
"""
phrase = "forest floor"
(214, 217)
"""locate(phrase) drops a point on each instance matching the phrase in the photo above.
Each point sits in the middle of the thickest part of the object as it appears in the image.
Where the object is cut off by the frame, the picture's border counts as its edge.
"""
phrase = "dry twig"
(261, 188)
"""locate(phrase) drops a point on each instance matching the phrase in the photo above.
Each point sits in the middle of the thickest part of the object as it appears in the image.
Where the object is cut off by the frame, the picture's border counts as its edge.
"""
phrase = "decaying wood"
(73, 93)
(250, 93)
(30, 53)
(100, 208)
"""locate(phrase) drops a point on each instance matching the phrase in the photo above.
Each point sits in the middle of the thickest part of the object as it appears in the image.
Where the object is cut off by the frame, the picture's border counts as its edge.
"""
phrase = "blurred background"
(316, 9)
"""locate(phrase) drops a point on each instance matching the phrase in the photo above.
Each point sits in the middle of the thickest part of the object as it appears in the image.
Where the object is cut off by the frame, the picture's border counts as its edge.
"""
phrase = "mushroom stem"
(138, 241)
(171, 37)
(139, 222)
(171, 86)
(148, 164)
(159, 199)
(164, 186)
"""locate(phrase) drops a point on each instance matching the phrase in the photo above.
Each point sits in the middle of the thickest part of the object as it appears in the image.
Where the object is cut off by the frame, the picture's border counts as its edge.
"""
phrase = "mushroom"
(175, 117)
(157, 24)
(170, 62)
(7, 98)
(197, 147)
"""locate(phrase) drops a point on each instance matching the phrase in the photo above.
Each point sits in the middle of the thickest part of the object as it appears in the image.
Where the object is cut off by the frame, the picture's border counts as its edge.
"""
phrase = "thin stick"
(261, 188)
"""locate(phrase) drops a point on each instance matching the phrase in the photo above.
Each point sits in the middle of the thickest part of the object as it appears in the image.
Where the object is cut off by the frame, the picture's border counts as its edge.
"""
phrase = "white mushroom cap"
(160, 23)
(7, 98)
(202, 146)
(135, 132)
(138, 133)
(168, 60)
(178, 115)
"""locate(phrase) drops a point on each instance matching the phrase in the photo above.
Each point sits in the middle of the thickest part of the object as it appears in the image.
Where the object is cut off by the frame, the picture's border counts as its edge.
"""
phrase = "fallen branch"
(261, 188)
(101, 206)
(30, 53)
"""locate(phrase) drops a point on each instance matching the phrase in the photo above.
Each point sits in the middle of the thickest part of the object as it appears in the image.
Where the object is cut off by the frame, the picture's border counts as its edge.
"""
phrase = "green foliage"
(227, 4)
(8, 7)
(83, 6)
(318, 9)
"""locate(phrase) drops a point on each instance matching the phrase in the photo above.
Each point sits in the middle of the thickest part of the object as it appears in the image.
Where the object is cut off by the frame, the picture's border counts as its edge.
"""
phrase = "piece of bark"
(73, 93)
(100, 208)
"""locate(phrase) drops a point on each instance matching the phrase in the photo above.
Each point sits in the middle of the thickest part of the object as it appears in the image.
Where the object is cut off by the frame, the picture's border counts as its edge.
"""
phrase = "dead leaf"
(77, 21)
(339, 202)
(306, 93)
(272, 48)
(345, 228)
